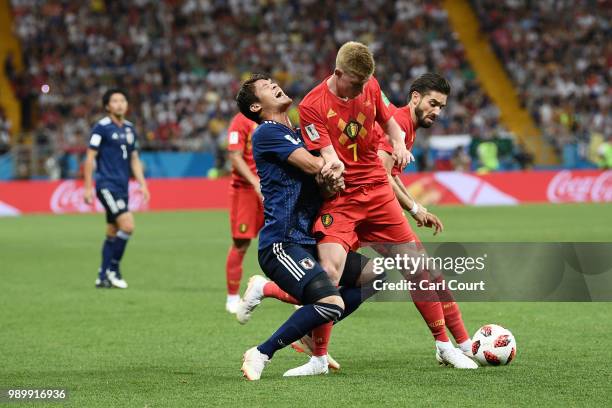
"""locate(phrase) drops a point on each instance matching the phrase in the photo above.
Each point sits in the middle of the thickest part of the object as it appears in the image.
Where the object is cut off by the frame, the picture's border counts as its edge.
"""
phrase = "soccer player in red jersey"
(246, 209)
(338, 118)
(427, 98)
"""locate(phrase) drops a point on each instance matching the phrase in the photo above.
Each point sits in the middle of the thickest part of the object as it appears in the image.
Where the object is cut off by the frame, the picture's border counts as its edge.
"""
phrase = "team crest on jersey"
(243, 228)
(327, 220)
(115, 136)
(352, 129)
(307, 263)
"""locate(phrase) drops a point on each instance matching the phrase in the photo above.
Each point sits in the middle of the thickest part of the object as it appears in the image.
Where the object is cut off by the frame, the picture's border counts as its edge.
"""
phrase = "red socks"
(454, 321)
(434, 317)
(452, 314)
(233, 270)
(271, 289)
(428, 304)
(321, 336)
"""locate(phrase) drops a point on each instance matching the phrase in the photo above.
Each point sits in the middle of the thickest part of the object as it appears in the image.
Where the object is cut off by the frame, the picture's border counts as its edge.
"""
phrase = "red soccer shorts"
(246, 213)
(362, 215)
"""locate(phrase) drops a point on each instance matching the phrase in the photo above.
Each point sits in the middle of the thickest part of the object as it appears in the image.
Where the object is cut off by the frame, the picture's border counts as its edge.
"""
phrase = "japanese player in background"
(113, 147)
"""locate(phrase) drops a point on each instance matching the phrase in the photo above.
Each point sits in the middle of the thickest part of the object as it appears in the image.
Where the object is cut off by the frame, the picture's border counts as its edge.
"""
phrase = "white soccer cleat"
(251, 299)
(116, 281)
(231, 304)
(306, 345)
(465, 353)
(315, 366)
(253, 363)
(455, 358)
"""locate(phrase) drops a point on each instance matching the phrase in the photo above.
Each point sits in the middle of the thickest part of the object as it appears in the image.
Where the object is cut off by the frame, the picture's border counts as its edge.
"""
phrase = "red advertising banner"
(509, 188)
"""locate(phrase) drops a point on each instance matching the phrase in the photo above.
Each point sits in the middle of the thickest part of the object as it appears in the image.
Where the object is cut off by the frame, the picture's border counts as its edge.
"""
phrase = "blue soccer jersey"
(291, 197)
(115, 145)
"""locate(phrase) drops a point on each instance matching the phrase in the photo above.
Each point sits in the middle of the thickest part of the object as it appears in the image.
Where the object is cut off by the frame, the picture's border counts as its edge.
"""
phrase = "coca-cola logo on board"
(566, 187)
(68, 198)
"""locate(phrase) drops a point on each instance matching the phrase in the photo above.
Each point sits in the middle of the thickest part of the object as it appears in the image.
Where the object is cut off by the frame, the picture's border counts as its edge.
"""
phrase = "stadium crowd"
(182, 61)
(559, 54)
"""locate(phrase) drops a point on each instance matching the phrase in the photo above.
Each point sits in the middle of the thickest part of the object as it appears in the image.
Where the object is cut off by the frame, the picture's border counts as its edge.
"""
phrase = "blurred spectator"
(182, 60)
(460, 160)
(523, 157)
(5, 132)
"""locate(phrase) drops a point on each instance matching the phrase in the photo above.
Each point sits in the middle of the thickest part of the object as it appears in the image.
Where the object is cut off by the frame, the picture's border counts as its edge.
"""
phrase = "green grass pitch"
(168, 342)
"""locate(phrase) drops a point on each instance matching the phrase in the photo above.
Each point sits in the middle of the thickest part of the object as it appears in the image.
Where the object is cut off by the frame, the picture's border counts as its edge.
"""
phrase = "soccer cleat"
(306, 345)
(253, 363)
(315, 366)
(251, 299)
(455, 358)
(115, 280)
(441, 362)
(103, 284)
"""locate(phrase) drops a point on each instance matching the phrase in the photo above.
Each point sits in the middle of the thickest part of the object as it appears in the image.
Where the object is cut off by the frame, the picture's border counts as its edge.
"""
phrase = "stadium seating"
(559, 55)
(182, 61)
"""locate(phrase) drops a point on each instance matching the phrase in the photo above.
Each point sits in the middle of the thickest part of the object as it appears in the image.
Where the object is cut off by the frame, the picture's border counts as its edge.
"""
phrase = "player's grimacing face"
(429, 107)
(271, 96)
(349, 86)
(117, 105)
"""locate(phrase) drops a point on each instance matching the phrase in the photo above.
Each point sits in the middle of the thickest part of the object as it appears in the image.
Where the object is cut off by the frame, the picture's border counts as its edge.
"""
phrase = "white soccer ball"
(493, 345)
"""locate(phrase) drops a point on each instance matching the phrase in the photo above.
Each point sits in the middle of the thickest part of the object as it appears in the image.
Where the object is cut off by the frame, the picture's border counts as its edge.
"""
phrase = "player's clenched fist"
(332, 170)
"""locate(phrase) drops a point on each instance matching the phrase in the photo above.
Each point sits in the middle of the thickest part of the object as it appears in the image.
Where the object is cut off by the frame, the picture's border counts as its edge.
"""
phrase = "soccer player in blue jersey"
(114, 149)
(287, 249)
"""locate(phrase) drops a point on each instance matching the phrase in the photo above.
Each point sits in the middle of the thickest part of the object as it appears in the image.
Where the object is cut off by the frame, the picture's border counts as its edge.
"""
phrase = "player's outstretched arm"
(136, 165)
(243, 169)
(88, 169)
(303, 160)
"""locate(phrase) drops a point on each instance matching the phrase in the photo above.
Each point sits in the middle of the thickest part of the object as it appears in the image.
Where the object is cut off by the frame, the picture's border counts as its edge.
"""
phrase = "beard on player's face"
(422, 119)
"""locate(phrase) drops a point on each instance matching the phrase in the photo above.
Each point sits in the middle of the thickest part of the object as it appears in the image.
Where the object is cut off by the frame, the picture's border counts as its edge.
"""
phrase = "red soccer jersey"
(349, 126)
(239, 139)
(404, 119)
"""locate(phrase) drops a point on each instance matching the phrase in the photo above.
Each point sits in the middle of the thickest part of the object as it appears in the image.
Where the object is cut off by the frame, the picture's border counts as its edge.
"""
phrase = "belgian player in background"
(114, 149)
(246, 209)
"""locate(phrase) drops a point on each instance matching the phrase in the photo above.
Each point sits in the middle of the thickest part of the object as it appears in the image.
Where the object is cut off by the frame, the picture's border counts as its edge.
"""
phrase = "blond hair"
(355, 59)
